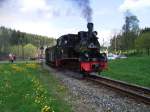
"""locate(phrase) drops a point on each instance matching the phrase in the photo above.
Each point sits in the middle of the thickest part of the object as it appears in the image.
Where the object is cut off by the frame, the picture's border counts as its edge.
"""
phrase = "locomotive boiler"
(79, 52)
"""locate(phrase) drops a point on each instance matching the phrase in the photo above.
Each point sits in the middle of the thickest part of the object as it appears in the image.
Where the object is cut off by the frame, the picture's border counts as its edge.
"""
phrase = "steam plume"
(86, 10)
(1, 2)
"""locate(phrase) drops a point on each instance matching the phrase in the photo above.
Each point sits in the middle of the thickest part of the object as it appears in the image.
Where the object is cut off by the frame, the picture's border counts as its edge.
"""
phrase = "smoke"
(86, 10)
(1, 2)
(48, 8)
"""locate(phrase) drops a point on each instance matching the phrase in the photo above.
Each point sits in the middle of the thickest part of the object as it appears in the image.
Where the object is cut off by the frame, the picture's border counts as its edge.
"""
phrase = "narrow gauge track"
(134, 91)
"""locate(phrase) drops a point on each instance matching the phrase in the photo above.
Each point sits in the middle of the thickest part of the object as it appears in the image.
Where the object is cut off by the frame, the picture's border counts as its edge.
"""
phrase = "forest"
(22, 44)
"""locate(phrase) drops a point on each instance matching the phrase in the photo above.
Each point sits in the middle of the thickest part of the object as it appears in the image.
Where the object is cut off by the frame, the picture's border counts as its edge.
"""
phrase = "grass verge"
(29, 88)
(134, 70)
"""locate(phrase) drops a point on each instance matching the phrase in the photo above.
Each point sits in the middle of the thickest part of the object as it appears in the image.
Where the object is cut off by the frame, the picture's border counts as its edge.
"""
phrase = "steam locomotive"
(79, 52)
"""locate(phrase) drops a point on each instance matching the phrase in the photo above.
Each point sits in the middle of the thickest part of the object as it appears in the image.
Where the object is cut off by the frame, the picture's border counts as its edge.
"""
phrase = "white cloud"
(46, 8)
(41, 28)
(134, 4)
(34, 16)
(34, 5)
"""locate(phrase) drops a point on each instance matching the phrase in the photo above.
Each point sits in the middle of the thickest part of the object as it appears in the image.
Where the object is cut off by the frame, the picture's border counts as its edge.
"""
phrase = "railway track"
(134, 91)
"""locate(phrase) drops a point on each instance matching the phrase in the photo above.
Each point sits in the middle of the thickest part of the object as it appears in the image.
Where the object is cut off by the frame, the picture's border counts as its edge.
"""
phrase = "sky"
(54, 18)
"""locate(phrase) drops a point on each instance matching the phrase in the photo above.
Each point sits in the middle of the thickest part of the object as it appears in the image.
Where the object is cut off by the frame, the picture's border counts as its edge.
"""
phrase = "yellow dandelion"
(17, 69)
(47, 109)
(31, 65)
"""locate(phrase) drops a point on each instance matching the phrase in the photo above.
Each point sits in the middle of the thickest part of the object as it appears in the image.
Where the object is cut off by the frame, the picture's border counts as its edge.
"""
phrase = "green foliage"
(30, 50)
(131, 37)
(9, 38)
(132, 70)
(16, 49)
(4, 39)
(143, 41)
(27, 50)
(125, 40)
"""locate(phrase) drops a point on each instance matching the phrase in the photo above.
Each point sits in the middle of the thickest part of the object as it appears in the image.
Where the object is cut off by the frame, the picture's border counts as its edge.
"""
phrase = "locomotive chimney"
(90, 29)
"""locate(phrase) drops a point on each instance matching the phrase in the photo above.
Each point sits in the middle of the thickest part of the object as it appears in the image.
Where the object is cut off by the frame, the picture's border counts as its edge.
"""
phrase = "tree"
(30, 50)
(16, 49)
(4, 39)
(143, 42)
(131, 23)
(116, 42)
(130, 31)
(14, 38)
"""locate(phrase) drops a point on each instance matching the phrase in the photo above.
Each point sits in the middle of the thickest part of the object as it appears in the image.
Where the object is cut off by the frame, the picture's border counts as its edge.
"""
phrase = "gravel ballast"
(87, 96)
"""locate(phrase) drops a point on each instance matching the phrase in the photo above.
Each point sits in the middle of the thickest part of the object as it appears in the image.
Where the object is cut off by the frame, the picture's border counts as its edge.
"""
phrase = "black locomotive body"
(79, 52)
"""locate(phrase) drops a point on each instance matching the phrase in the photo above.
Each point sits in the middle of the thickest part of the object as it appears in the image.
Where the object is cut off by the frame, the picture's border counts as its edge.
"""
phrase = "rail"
(138, 92)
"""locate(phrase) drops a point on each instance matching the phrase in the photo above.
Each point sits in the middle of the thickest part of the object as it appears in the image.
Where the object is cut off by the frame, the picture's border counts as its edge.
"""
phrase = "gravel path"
(89, 97)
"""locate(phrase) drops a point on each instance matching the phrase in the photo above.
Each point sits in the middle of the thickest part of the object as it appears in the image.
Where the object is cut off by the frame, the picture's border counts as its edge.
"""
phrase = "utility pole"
(115, 40)
(103, 42)
(18, 47)
(22, 49)
(115, 45)
(22, 43)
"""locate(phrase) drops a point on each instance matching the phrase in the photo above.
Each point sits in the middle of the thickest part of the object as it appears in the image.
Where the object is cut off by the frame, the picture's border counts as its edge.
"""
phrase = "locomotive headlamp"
(92, 45)
(86, 54)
